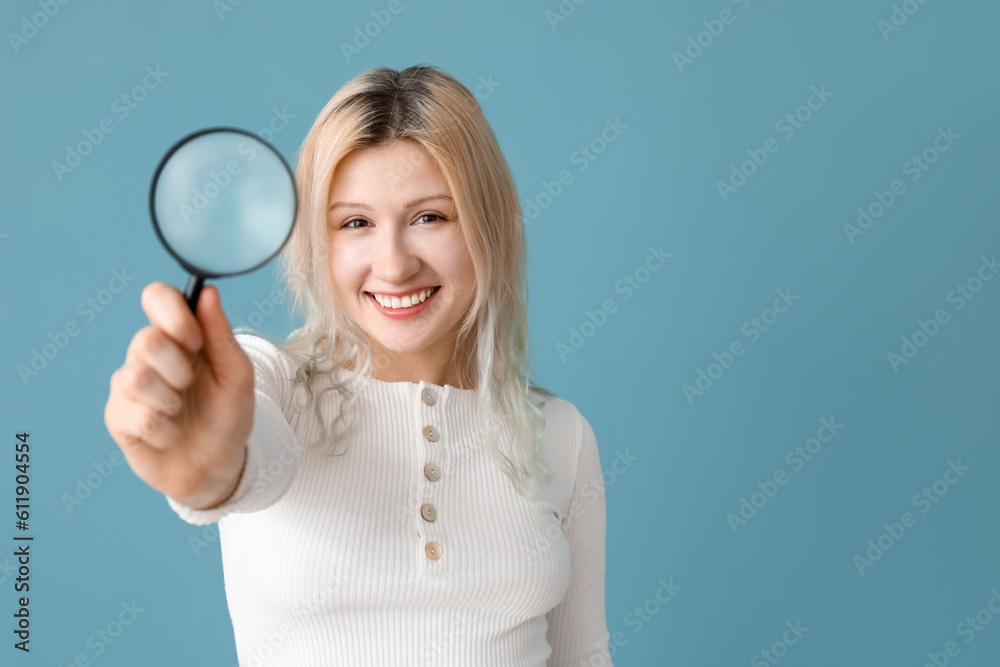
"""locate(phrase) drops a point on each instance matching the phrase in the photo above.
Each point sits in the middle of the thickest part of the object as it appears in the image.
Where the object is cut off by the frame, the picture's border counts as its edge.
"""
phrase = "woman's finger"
(142, 384)
(152, 427)
(152, 347)
(169, 312)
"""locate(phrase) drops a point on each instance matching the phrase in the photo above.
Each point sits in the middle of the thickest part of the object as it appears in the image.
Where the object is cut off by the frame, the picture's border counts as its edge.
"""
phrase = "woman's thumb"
(221, 348)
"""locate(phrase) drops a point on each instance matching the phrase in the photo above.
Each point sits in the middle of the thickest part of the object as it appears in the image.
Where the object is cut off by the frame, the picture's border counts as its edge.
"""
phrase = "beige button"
(428, 512)
(433, 550)
(430, 398)
(431, 433)
(432, 472)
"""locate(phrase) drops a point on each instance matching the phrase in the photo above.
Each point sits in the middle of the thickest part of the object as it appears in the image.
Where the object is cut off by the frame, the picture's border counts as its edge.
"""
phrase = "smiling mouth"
(405, 303)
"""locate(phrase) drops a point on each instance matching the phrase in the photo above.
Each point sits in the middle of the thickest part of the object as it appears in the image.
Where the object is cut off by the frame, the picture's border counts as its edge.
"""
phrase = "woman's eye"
(363, 223)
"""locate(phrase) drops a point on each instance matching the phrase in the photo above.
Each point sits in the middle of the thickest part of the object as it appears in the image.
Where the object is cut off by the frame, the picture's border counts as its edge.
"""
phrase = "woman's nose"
(394, 261)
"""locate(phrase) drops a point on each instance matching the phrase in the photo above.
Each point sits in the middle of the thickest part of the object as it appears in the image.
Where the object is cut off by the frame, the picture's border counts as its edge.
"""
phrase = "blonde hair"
(425, 105)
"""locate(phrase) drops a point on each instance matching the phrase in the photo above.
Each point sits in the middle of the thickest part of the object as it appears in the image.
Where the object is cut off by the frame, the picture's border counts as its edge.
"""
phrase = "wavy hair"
(422, 104)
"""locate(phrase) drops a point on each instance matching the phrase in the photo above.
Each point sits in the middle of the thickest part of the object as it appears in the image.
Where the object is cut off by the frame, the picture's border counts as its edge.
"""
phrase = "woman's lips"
(402, 313)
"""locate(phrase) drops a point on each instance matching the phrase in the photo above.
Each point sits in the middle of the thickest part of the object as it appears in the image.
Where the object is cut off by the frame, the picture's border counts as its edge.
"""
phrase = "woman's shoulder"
(272, 348)
(259, 348)
(256, 341)
(564, 422)
(274, 366)
(569, 441)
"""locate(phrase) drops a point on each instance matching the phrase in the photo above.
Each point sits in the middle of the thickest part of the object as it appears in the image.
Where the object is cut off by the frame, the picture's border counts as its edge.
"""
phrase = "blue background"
(556, 83)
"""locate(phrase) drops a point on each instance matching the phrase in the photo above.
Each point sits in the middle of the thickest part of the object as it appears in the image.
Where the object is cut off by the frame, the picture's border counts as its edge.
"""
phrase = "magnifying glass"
(223, 203)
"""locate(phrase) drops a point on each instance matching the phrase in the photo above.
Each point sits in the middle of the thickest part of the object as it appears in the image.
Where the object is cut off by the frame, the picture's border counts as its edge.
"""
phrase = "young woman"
(390, 487)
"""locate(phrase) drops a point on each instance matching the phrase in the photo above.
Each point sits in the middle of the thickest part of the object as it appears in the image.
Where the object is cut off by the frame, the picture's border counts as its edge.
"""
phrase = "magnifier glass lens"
(224, 202)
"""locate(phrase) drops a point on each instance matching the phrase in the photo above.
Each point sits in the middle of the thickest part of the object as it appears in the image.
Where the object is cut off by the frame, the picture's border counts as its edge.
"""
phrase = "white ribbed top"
(326, 559)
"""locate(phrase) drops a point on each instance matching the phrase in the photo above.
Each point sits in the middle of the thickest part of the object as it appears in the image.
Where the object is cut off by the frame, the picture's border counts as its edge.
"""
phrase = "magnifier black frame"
(198, 275)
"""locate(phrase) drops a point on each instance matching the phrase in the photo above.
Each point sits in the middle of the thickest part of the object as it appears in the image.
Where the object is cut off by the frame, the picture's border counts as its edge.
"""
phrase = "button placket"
(429, 410)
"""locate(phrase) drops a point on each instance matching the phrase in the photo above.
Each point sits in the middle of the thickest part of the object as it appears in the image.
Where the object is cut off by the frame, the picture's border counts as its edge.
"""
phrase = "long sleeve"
(273, 449)
(577, 626)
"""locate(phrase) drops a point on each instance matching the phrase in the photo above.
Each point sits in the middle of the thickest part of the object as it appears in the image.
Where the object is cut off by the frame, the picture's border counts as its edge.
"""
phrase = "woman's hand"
(181, 406)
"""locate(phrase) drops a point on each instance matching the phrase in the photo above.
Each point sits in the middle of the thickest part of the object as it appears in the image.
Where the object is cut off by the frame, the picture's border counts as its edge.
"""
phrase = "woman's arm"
(272, 450)
(578, 629)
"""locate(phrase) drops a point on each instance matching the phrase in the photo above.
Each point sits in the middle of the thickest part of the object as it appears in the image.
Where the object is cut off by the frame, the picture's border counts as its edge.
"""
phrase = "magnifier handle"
(193, 290)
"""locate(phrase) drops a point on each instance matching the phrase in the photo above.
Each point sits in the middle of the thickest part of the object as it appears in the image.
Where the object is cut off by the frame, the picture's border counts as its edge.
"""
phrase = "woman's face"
(394, 233)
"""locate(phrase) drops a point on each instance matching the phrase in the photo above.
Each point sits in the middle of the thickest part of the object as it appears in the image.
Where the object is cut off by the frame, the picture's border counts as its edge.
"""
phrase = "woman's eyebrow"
(406, 205)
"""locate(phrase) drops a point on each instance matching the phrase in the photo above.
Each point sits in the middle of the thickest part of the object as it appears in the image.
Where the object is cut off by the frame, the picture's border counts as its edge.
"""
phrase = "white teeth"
(403, 302)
